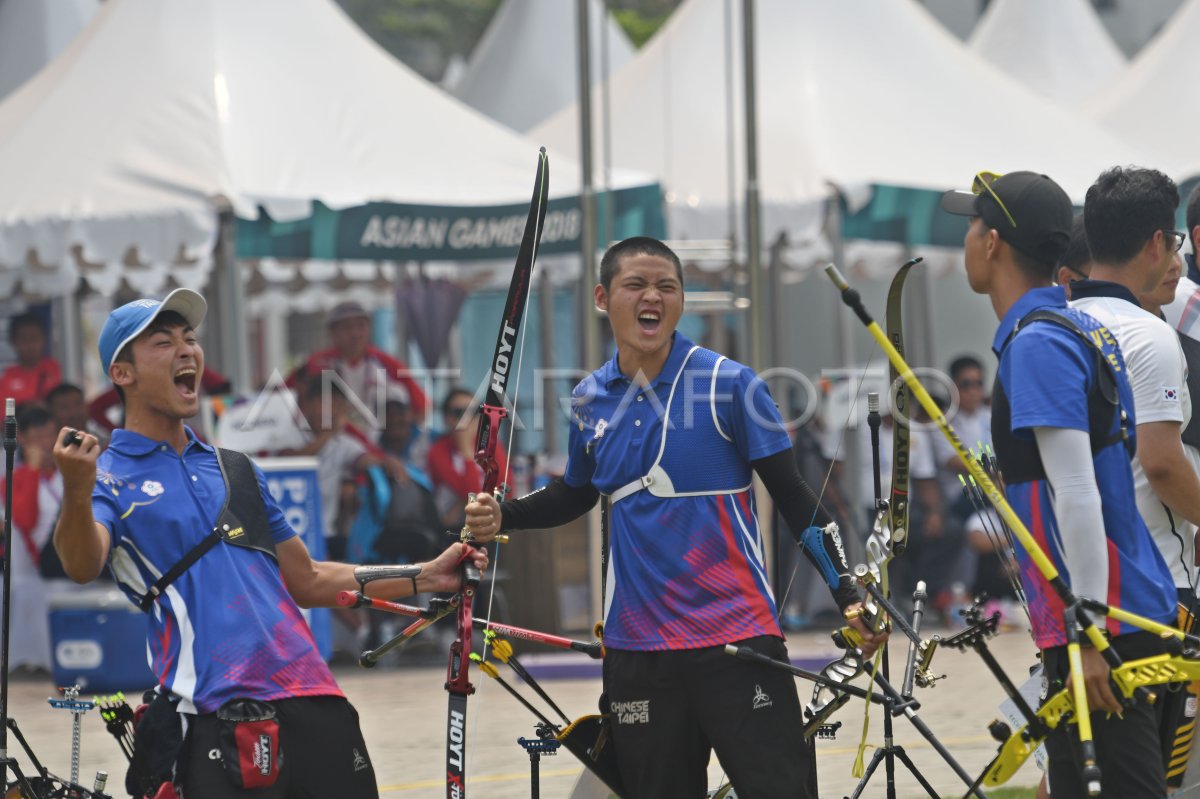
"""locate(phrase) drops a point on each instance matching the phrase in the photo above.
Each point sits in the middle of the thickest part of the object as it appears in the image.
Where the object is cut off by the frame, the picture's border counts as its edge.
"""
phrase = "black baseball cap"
(1029, 211)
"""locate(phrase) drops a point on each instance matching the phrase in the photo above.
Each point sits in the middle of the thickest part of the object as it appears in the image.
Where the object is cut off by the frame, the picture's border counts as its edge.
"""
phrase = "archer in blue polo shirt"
(1042, 369)
(195, 539)
(701, 582)
(672, 434)
(207, 632)
(1063, 432)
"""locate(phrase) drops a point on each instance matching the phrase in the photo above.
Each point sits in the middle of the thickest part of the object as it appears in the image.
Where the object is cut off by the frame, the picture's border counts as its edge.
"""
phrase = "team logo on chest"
(149, 488)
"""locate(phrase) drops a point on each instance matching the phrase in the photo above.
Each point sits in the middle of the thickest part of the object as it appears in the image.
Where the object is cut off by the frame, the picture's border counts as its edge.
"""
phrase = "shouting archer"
(195, 539)
(671, 433)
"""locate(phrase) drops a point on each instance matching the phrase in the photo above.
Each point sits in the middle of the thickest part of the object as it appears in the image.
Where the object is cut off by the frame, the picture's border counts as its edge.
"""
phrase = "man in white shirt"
(1128, 217)
(1130, 258)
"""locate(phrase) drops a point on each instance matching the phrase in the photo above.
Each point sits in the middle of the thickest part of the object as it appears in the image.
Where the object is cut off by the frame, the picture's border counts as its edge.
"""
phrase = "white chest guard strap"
(656, 480)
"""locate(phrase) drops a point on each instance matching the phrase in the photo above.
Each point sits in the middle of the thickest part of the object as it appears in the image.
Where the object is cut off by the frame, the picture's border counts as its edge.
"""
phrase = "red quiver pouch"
(166, 791)
(249, 741)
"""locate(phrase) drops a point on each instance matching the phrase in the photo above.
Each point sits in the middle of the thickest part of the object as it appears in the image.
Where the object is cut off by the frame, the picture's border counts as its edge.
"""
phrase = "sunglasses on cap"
(983, 182)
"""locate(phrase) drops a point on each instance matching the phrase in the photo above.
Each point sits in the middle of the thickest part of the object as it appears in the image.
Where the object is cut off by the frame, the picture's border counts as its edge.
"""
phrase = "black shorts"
(672, 709)
(322, 755)
(1128, 748)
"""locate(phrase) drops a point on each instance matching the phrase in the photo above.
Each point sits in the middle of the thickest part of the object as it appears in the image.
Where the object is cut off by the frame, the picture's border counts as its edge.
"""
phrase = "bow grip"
(490, 417)
(471, 574)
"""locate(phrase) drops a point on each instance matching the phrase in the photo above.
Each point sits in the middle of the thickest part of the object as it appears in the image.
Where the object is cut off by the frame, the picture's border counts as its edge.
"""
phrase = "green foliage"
(423, 33)
(639, 25)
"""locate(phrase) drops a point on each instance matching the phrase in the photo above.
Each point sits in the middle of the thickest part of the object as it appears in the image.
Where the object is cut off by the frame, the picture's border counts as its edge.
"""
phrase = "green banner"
(907, 215)
(911, 216)
(397, 232)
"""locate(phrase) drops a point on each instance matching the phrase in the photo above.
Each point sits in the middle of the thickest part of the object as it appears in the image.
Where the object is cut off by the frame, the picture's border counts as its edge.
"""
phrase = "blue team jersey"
(1045, 371)
(685, 571)
(227, 627)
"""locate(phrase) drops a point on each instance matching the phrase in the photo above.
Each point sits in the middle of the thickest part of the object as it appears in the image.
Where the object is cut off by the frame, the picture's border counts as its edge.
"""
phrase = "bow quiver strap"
(1020, 460)
(243, 501)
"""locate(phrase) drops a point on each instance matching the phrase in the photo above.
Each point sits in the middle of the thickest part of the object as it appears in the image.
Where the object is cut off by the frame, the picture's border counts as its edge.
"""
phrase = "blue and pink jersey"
(686, 571)
(227, 627)
(1045, 370)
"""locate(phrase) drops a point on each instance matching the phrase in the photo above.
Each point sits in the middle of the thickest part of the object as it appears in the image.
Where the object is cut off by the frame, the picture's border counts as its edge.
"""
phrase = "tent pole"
(758, 309)
(730, 136)
(548, 385)
(776, 340)
(753, 221)
(850, 452)
(234, 341)
(606, 123)
(590, 338)
(745, 324)
(68, 314)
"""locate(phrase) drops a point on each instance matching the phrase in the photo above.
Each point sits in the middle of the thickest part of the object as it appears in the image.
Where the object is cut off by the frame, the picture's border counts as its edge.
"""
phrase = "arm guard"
(823, 546)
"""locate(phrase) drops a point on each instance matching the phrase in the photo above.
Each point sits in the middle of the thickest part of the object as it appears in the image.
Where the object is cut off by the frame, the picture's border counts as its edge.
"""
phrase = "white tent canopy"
(115, 158)
(849, 94)
(1151, 103)
(32, 32)
(1059, 49)
(525, 66)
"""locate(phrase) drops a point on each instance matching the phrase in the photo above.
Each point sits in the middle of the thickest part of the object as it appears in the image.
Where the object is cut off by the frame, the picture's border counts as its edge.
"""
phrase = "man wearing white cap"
(194, 538)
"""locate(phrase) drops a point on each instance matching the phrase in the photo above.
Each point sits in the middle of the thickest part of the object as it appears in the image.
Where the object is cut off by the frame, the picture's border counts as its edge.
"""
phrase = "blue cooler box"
(98, 641)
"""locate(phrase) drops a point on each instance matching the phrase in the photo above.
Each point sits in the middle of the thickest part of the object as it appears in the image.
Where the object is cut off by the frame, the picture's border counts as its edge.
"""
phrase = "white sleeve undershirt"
(1067, 459)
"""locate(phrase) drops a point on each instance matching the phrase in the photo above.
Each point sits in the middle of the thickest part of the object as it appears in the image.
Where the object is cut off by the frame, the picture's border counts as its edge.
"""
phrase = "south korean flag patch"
(1170, 393)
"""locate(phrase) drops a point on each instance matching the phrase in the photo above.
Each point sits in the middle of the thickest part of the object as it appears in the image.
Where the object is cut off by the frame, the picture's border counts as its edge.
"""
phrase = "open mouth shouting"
(185, 382)
(649, 321)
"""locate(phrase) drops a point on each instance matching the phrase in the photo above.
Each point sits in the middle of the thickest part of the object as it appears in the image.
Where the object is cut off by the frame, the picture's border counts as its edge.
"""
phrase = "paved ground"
(403, 711)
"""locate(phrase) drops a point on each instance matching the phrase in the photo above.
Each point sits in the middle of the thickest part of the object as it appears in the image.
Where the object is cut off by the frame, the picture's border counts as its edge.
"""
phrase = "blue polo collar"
(1047, 297)
(133, 445)
(611, 373)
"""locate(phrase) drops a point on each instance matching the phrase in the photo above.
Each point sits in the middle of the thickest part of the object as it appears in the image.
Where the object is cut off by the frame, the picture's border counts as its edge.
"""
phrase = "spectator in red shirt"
(452, 467)
(69, 409)
(35, 372)
(363, 367)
